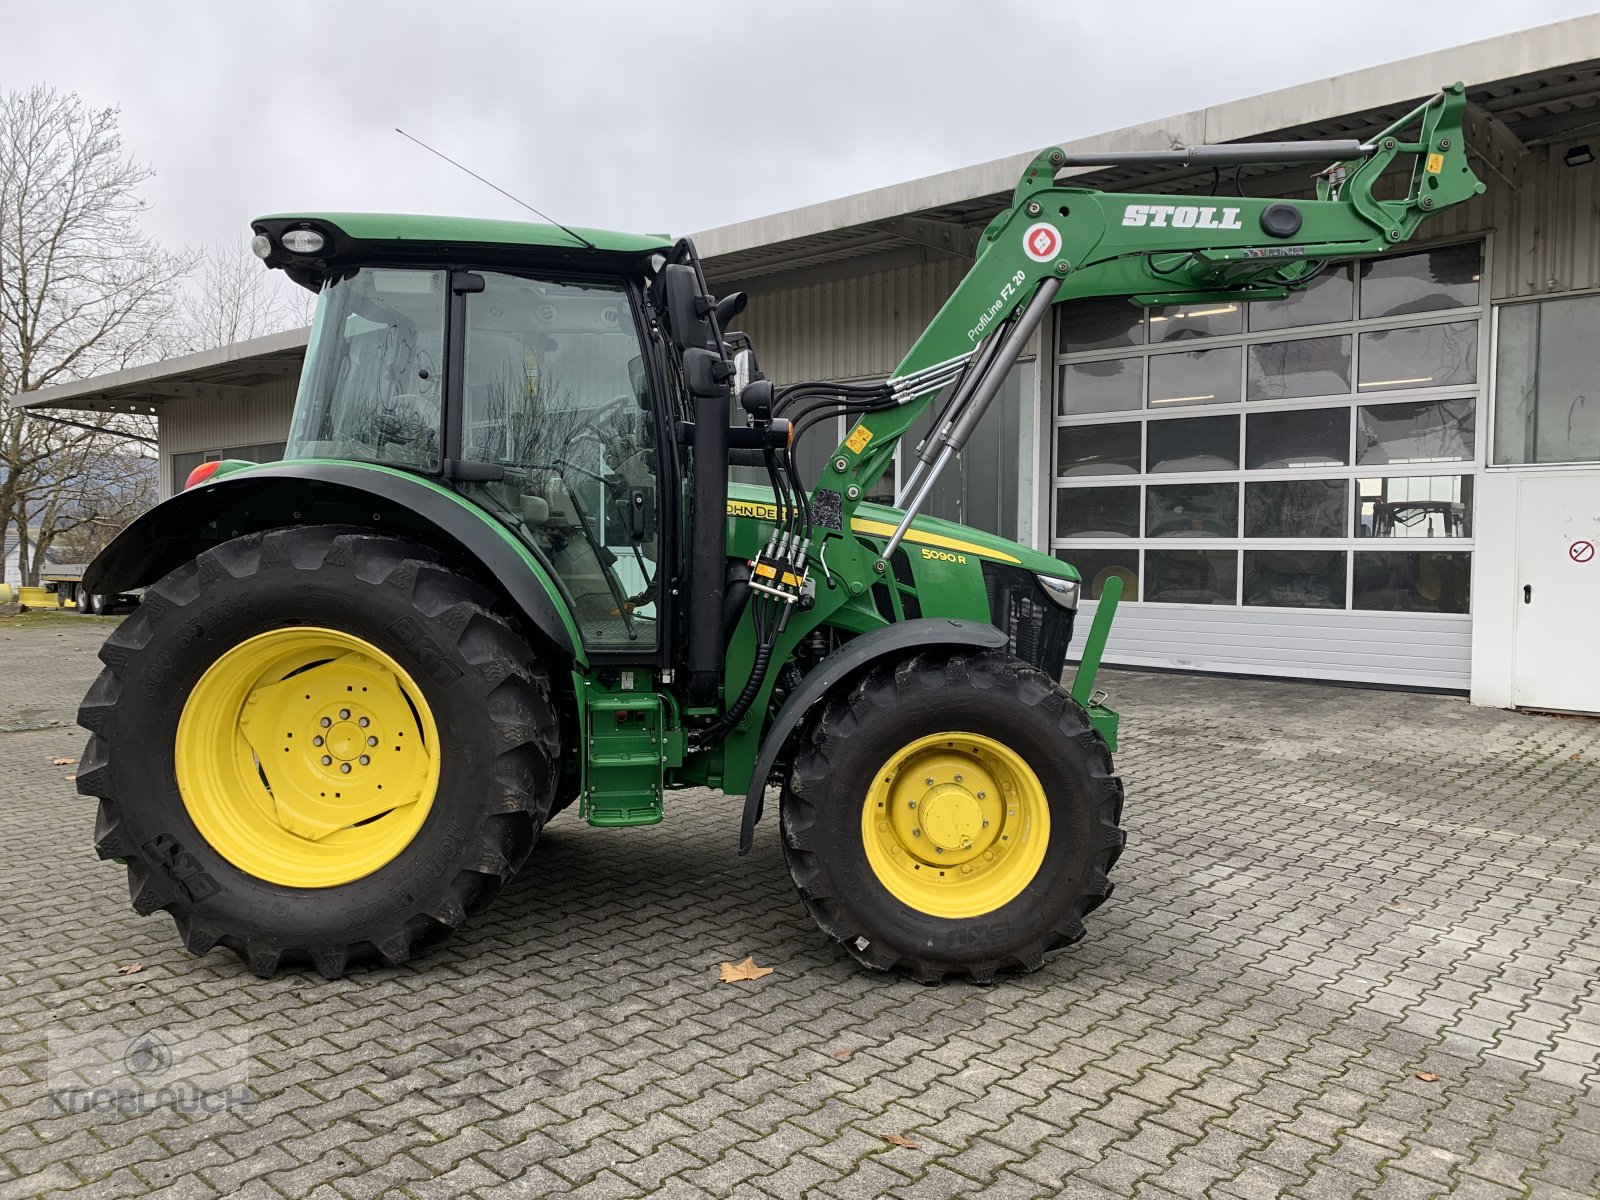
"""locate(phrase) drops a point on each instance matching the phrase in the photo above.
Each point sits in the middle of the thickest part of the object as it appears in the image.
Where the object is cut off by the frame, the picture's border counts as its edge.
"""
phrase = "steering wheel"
(609, 415)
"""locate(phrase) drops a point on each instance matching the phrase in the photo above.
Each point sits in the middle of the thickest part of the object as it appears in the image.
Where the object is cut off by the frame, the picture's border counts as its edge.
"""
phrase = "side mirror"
(705, 373)
(687, 307)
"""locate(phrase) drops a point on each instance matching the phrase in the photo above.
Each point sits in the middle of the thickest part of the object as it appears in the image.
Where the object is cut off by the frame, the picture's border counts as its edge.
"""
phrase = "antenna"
(572, 233)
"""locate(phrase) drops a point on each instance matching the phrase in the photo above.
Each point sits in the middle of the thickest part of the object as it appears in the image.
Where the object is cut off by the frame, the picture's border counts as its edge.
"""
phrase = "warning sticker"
(858, 439)
(1581, 552)
(1041, 242)
(1435, 163)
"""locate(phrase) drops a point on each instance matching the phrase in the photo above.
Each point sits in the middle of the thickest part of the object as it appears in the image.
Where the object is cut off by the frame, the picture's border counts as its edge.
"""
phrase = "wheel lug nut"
(326, 721)
(372, 741)
(344, 768)
(983, 795)
(911, 803)
(986, 824)
(916, 833)
(344, 714)
(958, 777)
(317, 741)
(326, 761)
(928, 782)
(363, 722)
(365, 761)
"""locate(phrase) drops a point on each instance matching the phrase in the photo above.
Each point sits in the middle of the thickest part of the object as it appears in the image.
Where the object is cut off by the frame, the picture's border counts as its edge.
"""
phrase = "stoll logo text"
(1181, 216)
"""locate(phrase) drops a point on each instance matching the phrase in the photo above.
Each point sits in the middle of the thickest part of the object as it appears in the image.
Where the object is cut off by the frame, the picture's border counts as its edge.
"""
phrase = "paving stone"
(1326, 890)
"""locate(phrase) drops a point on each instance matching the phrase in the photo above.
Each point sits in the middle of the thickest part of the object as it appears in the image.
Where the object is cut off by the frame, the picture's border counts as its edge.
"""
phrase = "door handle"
(636, 500)
(1527, 593)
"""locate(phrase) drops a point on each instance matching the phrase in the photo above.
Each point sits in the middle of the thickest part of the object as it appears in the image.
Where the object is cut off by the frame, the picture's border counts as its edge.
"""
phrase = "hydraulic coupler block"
(780, 569)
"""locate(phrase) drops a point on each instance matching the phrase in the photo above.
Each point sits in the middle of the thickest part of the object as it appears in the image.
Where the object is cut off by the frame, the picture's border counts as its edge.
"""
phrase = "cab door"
(552, 409)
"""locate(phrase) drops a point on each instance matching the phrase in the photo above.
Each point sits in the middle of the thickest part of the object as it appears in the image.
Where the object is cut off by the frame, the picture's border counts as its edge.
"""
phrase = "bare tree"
(233, 297)
(99, 492)
(82, 291)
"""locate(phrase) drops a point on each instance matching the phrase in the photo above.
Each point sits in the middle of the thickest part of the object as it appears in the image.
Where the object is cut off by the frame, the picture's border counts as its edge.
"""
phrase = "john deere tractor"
(503, 571)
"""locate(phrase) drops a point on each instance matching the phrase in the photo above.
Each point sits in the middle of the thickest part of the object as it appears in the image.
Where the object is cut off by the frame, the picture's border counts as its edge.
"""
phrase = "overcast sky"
(661, 116)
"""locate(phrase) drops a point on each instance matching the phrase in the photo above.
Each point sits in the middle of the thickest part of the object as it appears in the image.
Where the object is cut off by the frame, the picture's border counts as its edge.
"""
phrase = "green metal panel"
(1094, 647)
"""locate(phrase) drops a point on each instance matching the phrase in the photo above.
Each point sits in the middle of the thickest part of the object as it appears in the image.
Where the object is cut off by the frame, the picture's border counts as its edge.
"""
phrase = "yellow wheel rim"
(955, 824)
(307, 757)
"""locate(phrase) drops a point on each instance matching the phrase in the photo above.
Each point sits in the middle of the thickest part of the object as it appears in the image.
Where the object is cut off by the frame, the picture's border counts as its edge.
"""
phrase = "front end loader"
(503, 571)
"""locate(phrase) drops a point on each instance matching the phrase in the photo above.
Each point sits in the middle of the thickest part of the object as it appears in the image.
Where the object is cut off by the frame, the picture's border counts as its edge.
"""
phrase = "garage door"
(1284, 487)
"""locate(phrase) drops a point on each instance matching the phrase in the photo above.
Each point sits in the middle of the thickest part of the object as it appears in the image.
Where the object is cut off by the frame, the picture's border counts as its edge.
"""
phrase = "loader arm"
(1056, 243)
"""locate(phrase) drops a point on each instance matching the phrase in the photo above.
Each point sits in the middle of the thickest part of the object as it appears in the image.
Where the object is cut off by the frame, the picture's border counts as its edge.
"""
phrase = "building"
(1378, 480)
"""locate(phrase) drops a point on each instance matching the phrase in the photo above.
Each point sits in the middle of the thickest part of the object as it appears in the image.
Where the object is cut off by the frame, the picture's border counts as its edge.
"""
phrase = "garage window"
(1284, 442)
(1547, 409)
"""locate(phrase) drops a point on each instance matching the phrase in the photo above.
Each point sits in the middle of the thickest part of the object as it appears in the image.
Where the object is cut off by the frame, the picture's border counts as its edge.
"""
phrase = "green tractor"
(503, 570)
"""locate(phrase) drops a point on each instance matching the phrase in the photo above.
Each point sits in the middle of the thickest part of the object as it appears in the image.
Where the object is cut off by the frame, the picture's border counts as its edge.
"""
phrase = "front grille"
(1037, 628)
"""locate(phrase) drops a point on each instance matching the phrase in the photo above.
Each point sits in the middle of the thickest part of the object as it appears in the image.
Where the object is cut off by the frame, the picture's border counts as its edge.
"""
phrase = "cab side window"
(553, 393)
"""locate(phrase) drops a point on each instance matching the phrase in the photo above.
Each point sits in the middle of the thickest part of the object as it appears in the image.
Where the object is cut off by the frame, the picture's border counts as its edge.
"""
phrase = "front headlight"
(1063, 592)
(302, 241)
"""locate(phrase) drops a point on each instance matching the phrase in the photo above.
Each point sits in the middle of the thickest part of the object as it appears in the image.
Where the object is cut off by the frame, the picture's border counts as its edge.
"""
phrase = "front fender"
(315, 492)
(850, 660)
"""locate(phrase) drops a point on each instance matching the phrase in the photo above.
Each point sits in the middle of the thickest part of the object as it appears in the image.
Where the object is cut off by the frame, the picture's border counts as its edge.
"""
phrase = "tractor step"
(629, 748)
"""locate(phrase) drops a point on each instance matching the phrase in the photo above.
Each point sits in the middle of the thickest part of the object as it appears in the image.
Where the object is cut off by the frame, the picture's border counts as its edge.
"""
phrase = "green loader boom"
(504, 569)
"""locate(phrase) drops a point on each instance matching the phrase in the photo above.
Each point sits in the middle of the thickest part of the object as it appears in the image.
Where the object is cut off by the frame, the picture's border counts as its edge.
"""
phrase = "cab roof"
(354, 238)
(473, 230)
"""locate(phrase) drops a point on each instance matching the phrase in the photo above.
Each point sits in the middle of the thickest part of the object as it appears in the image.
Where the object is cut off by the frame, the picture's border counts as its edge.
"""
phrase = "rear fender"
(318, 493)
(843, 665)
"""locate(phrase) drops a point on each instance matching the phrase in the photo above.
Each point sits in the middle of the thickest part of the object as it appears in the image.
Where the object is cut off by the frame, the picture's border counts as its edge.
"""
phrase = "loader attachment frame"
(1056, 242)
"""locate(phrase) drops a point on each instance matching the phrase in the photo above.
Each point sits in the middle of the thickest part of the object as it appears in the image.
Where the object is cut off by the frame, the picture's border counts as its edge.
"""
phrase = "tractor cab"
(519, 375)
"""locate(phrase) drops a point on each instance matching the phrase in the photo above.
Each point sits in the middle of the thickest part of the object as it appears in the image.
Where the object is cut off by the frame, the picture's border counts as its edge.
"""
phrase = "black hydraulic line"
(793, 468)
(758, 673)
(796, 391)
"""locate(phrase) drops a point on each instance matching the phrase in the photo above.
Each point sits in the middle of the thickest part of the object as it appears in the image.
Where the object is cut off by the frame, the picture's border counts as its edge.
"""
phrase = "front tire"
(952, 815)
(317, 745)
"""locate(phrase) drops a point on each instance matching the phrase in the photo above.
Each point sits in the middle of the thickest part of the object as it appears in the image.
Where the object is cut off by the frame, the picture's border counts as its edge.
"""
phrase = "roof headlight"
(261, 246)
(302, 241)
(1063, 592)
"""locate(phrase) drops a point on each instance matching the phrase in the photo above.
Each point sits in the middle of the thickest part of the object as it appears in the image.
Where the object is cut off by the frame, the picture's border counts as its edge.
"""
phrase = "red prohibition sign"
(1581, 552)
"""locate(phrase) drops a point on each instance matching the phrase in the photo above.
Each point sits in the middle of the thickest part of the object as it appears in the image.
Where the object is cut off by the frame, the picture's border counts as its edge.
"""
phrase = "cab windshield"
(374, 371)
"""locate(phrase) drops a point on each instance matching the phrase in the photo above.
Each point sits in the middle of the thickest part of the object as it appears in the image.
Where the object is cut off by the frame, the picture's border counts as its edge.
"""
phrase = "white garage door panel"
(1408, 649)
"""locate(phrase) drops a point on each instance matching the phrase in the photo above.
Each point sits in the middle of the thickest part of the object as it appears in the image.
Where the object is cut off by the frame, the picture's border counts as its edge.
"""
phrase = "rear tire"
(936, 891)
(460, 671)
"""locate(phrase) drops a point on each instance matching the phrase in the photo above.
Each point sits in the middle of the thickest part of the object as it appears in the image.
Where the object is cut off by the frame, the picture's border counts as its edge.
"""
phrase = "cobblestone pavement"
(1353, 951)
